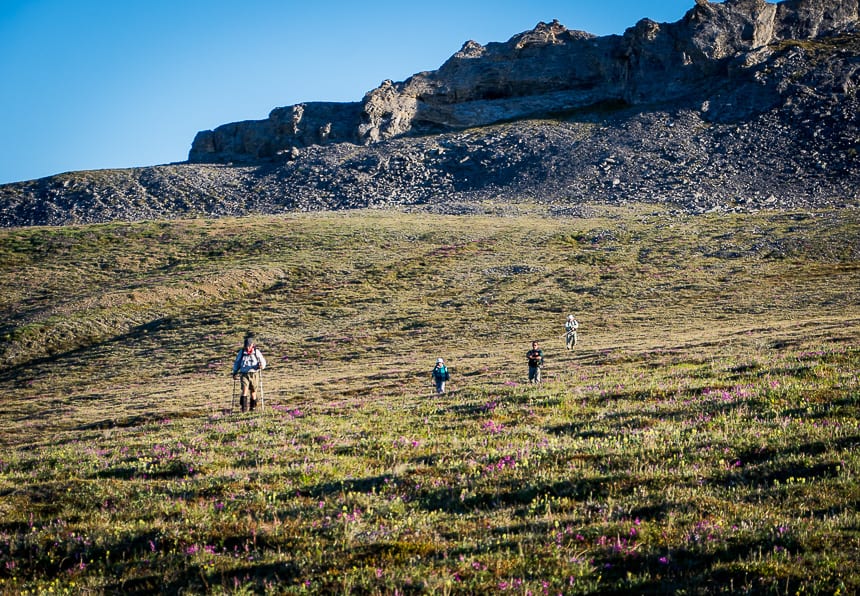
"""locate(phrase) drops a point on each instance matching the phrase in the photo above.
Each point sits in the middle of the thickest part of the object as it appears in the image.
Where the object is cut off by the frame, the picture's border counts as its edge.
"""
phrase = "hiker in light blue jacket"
(248, 364)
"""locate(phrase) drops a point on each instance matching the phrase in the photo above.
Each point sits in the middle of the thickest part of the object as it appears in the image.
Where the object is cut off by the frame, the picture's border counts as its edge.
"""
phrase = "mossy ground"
(701, 438)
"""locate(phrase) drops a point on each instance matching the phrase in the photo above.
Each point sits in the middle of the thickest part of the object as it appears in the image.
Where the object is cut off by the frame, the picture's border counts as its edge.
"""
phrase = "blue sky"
(93, 84)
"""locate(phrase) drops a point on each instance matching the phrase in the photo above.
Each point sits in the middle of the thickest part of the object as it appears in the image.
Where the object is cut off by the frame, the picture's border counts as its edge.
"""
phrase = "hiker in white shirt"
(570, 328)
(248, 364)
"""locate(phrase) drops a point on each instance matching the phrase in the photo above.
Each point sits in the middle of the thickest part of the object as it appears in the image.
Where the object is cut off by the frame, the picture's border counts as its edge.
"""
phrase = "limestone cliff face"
(549, 71)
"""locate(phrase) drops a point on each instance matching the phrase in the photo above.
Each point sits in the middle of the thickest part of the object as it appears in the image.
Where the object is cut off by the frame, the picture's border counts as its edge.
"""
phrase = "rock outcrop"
(284, 132)
(552, 71)
(742, 105)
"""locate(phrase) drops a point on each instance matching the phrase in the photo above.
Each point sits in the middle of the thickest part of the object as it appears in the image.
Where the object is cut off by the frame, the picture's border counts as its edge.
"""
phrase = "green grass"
(702, 438)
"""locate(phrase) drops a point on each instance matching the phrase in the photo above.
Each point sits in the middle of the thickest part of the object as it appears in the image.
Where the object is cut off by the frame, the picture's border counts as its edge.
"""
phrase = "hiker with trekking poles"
(248, 367)
(570, 327)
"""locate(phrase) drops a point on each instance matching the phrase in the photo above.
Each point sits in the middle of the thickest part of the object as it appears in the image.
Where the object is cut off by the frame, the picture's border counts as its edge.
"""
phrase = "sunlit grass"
(702, 438)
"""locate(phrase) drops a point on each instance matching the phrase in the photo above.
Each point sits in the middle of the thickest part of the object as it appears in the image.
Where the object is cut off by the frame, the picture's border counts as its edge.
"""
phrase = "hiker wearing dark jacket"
(535, 358)
(440, 375)
(248, 364)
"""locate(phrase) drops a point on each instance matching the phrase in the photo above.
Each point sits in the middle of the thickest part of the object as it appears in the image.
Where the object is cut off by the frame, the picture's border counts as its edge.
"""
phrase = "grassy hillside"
(702, 437)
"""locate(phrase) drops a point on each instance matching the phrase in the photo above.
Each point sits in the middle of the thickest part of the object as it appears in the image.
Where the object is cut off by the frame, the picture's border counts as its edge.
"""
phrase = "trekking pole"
(262, 395)
(233, 399)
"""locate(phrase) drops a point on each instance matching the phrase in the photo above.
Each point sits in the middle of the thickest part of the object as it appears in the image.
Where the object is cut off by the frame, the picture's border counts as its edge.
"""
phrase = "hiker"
(570, 328)
(248, 364)
(535, 356)
(440, 375)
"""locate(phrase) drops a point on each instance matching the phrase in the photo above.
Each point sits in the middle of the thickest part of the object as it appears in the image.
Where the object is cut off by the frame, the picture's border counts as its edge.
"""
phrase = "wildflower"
(492, 427)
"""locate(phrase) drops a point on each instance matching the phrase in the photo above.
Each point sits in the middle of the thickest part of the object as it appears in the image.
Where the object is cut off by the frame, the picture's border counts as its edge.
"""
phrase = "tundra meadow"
(701, 438)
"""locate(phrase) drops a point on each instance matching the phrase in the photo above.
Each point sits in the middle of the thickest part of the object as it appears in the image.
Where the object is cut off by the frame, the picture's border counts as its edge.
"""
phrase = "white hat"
(439, 361)
(569, 316)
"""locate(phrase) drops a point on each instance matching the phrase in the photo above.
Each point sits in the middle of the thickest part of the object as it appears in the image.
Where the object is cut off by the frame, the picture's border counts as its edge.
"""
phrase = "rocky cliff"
(552, 71)
(739, 105)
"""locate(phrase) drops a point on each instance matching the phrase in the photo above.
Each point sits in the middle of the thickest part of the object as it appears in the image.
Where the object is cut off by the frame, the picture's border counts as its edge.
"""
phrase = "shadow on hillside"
(468, 410)
(766, 454)
(357, 485)
(827, 412)
(199, 579)
(22, 372)
(764, 466)
(580, 430)
(508, 494)
(126, 422)
(451, 500)
(696, 568)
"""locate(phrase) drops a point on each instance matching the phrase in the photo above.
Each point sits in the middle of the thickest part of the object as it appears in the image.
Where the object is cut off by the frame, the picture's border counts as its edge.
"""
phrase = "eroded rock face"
(281, 134)
(544, 72)
(737, 107)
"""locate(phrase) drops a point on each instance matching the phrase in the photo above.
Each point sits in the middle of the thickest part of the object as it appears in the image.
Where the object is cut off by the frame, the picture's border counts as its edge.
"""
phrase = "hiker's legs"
(249, 390)
(440, 386)
(534, 374)
(253, 385)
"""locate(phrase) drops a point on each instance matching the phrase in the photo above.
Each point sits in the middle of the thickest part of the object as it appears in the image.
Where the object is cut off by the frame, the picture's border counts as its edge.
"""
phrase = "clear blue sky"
(92, 84)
